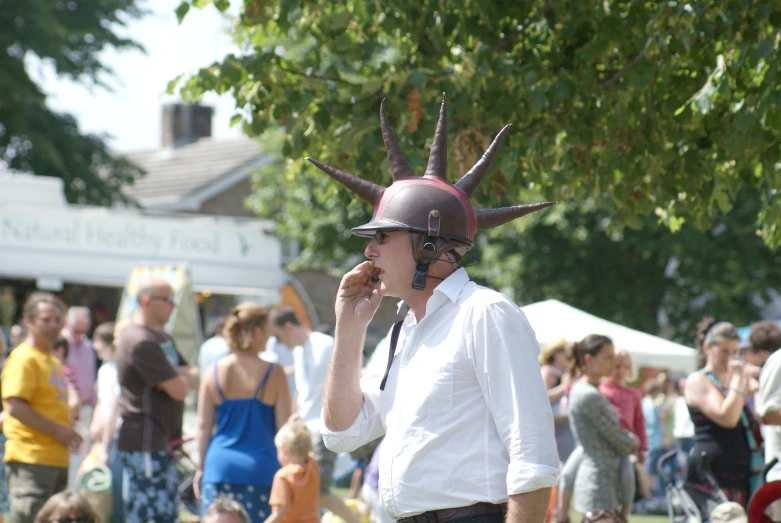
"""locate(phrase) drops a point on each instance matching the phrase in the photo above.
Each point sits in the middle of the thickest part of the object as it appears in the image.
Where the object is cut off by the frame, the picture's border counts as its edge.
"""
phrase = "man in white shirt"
(765, 340)
(467, 422)
(277, 352)
(311, 356)
(214, 348)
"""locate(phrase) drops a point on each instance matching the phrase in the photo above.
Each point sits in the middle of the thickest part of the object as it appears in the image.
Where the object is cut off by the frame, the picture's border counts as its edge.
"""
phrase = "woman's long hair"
(710, 331)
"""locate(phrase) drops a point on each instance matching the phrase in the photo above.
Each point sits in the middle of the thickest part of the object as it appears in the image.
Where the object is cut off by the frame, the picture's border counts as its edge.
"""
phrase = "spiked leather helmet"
(442, 213)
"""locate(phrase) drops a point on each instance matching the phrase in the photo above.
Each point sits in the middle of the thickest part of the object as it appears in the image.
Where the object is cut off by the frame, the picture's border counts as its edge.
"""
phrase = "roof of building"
(173, 173)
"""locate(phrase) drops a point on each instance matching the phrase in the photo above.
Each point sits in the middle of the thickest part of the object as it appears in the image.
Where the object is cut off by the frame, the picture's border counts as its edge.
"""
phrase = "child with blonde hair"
(68, 505)
(295, 492)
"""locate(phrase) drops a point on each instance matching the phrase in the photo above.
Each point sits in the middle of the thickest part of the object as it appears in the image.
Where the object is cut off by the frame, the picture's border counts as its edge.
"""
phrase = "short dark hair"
(30, 309)
(62, 342)
(105, 332)
(652, 387)
(219, 326)
(282, 315)
(765, 336)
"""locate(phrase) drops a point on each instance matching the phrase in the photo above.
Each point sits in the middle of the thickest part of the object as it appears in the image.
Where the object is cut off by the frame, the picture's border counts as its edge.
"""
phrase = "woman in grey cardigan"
(596, 427)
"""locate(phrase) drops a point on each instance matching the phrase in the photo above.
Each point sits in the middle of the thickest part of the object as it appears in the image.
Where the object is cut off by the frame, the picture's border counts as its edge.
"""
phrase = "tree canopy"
(632, 114)
(69, 35)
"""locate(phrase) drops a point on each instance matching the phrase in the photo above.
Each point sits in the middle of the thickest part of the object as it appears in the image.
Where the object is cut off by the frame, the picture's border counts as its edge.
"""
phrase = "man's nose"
(371, 250)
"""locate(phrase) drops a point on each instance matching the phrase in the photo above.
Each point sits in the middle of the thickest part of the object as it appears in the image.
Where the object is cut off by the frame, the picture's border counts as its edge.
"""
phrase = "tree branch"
(624, 70)
(649, 106)
(320, 77)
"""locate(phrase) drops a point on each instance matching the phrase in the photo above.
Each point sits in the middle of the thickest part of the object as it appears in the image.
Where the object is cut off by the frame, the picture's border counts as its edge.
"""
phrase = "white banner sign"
(100, 245)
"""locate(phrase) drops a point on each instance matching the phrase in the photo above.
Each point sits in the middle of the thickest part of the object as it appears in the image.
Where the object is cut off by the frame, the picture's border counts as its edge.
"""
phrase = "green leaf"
(418, 78)
(702, 100)
(181, 11)
(539, 99)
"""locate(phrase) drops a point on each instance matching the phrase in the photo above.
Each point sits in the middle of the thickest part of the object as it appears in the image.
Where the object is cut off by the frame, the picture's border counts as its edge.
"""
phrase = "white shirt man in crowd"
(277, 352)
(311, 356)
(467, 422)
(214, 348)
(765, 340)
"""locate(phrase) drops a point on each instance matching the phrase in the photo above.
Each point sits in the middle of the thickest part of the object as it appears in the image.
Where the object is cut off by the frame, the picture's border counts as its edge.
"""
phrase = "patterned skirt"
(254, 498)
(149, 483)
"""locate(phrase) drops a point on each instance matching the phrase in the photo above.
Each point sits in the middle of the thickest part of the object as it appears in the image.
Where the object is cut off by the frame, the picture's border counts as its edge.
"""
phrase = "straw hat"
(552, 348)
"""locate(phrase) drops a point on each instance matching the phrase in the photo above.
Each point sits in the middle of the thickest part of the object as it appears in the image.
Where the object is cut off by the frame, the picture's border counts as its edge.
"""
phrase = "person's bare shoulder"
(696, 385)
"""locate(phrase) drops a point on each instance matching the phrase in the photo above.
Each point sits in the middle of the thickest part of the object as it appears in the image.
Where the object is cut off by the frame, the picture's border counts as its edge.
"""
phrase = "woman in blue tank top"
(241, 403)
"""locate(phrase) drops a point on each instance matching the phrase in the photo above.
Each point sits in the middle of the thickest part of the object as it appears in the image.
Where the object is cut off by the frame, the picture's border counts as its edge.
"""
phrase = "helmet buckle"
(419, 280)
(433, 231)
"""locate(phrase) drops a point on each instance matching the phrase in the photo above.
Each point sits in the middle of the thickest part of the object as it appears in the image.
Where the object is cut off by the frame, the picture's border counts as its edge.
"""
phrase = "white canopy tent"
(552, 319)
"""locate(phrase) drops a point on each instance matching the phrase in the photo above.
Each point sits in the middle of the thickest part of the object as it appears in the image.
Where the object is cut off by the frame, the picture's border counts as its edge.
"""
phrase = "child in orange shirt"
(295, 492)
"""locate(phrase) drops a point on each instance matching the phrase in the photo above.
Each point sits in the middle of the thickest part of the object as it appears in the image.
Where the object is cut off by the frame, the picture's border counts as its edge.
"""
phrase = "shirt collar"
(450, 287)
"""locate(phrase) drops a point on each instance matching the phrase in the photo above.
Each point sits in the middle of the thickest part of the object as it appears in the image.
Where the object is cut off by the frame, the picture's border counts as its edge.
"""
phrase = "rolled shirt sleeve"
(367, 426)
(505, 352)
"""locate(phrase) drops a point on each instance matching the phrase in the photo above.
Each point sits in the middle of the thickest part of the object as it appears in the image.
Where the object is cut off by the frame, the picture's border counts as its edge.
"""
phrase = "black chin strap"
(419, 279)
(403, 310)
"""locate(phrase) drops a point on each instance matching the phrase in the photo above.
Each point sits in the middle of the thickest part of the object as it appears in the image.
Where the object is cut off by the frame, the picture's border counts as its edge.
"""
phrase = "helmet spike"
(490, 218)
(472, 179)
(437, 160)
(399, 166)
(368, 191)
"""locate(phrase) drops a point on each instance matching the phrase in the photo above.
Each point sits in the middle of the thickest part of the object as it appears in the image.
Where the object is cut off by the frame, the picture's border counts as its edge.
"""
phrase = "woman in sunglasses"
(67, 507)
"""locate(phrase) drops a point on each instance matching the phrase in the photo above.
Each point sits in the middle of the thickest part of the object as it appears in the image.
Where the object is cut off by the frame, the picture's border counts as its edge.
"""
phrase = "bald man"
(153, 377)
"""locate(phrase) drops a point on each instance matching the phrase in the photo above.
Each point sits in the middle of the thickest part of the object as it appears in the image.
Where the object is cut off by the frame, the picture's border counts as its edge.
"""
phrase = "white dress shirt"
(465, 411)
(279, 353)
(311, 361)
(768, 399)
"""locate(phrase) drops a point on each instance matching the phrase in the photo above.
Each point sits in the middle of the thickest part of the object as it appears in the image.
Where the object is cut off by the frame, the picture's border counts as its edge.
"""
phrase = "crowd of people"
(259, 442)
(116, 402)
(724, 420)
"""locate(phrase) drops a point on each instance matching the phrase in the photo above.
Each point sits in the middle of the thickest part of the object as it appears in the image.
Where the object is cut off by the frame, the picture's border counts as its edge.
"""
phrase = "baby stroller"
(186, 468)
(687, 502)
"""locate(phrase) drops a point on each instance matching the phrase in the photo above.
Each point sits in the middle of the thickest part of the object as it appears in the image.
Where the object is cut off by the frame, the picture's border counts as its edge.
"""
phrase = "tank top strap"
(263, 380)
(217, 382)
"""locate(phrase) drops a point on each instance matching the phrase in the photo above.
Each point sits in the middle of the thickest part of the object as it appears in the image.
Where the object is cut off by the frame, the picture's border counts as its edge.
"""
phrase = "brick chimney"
(185, 123)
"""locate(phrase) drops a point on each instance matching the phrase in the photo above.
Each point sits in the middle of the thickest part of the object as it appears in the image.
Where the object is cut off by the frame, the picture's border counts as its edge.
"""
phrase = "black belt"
(447, 515)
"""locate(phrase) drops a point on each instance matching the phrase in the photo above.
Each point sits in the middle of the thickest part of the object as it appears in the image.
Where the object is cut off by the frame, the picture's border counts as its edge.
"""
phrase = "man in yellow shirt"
(38, 423)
